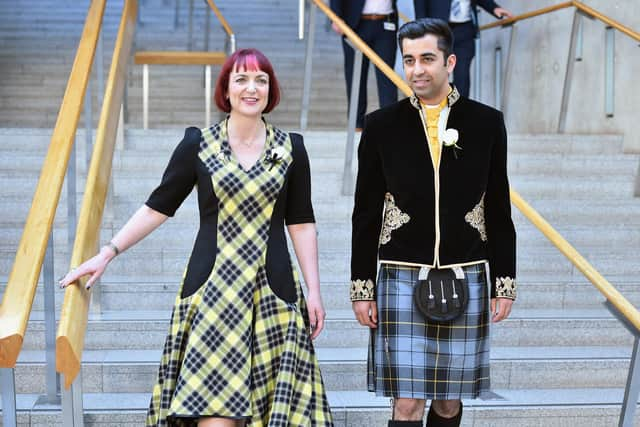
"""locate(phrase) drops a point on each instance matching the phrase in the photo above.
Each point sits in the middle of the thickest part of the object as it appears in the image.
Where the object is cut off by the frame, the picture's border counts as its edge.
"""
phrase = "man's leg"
(464, 47)
(384, 45)
(445, 413)
(349, 56)
(407, 412)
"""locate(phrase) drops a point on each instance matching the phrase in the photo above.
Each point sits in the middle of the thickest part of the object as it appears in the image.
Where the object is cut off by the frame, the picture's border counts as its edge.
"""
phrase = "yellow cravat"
(432, 115)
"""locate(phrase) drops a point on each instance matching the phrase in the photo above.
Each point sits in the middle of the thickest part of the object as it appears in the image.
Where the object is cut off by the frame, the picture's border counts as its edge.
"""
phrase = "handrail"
(171, 57)
(579, 5)
(221, 18)
(23, 279)
(607, 289)
(75, 308)
(522, 17)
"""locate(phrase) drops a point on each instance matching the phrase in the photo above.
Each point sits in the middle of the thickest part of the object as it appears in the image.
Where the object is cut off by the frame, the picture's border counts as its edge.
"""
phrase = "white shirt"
(377, 7)
(463, 11)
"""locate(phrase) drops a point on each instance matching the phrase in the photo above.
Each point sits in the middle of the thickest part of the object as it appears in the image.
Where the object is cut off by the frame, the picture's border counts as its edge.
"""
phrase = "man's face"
(426, 69)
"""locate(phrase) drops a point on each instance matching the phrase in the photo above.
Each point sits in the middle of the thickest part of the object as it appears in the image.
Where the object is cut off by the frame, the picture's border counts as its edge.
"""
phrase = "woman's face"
(248, 92)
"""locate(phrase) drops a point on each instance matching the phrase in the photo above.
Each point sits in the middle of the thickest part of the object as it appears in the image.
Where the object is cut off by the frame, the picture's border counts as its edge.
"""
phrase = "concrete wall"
(539, 63)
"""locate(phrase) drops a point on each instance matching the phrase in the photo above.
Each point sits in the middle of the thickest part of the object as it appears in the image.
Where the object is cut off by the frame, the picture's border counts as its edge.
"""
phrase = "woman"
(238, 351)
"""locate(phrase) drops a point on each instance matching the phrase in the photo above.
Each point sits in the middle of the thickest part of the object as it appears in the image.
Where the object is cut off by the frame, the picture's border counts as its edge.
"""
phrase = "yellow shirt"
(432, 114)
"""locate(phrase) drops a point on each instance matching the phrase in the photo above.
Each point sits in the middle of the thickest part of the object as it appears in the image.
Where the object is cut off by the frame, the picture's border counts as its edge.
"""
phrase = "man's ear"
(451, 63)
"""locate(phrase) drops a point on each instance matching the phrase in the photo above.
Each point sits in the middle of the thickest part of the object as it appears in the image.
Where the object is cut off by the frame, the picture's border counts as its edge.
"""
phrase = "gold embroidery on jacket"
(394, 218)
(475, 218)
(506, 287)
(362, 290)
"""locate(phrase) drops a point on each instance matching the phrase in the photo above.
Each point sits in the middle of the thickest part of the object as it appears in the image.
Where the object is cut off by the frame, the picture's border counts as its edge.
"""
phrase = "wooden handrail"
(607, 289)
(364, 48)
(171, 57)
(618, 26)
(522, 17)
(75, 308)
(223, 21)
(23, 279)
(579, 5)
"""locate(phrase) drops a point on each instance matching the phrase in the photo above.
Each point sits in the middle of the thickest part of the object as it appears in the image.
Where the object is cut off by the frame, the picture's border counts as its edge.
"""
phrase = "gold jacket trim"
(506, 287)
(475, 218)
(362, 290)
(394, 218)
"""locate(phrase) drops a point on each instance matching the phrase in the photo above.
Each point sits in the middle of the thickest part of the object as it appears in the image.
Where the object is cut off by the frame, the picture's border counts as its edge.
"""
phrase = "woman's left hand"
(316, 313)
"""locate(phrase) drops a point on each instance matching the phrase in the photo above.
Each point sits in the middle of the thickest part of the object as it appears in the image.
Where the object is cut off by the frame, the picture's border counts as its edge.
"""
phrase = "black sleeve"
(500, 229)
(179, 177)
(488, 5)
(367, 210)
(299, 209)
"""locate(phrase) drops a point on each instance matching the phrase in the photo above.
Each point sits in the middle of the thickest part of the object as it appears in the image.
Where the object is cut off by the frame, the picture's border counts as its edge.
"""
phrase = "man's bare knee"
(408, 409)
(446, 408)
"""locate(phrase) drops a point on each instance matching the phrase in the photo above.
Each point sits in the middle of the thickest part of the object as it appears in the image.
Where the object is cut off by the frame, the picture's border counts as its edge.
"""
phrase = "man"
(462, 16)
(375, 22)
(435, 163)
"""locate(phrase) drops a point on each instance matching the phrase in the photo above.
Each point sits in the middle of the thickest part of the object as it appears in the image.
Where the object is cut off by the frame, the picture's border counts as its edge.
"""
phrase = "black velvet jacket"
(408, 212)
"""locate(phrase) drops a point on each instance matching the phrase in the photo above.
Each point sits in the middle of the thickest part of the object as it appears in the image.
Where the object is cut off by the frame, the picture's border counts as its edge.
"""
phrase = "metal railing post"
(190, 27)
(568, 74)
(308, 69)
(232, 43)
(176, 14)
(497, 83)
(72, 216)
(636, 191)
(579, 38)
(347, 175)
(100, 69)
(145, 96)
(477, 71)
(8, 387)
(207, 95)
(506, 84)
(609, 70)
(53, 379)
(88, 126)
(72, 409)
(207, 27)
(632, 389)
(301, 19)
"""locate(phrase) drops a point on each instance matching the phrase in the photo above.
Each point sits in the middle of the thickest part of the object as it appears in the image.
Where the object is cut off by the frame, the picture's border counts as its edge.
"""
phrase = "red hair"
(246, 60)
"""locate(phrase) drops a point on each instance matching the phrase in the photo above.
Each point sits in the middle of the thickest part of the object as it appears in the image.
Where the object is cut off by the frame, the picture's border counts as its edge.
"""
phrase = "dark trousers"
(465, 48)
(382, 42)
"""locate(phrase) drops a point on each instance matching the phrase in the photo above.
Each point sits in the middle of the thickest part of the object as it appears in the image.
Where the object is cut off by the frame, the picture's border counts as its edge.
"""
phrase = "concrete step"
(135, 371)
(141, 330)
(121, 293)
(522, 408)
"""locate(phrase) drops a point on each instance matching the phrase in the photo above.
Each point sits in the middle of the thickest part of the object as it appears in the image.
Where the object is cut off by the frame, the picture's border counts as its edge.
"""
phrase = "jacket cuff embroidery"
(475, 218)
(394, 218)
(362, 290)
(506, 287)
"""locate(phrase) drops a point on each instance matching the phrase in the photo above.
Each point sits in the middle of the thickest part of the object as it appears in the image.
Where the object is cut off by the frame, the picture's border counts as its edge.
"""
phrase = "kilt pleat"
(411, 357)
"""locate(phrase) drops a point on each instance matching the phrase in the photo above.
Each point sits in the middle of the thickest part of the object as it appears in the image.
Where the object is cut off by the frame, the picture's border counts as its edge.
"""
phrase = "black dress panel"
(293, 206)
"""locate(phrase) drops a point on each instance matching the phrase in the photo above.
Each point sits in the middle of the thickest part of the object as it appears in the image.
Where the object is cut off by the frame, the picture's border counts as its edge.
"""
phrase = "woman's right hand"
(94, 266)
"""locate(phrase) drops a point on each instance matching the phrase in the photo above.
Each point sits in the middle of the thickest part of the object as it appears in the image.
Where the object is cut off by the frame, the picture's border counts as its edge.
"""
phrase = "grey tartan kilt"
(410, 357)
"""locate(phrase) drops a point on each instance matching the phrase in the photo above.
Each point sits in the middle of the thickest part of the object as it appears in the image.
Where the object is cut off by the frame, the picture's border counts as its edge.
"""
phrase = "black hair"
(421, 27)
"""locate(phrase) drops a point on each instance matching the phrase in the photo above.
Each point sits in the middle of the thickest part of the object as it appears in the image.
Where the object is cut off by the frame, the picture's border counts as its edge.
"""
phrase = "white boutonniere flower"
(450, 139)
(276, 156)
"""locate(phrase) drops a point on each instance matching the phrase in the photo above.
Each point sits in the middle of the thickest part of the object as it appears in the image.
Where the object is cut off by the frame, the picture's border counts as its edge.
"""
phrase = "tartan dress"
(235, 349)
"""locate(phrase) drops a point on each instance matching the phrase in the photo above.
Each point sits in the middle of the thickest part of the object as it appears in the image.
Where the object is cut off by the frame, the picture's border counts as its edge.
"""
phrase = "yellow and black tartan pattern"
(234, 348)
(411, 357)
